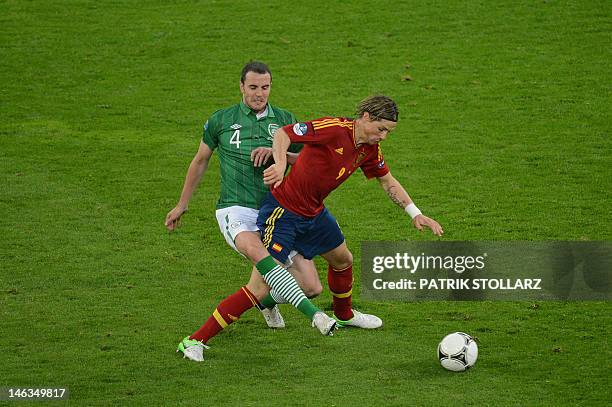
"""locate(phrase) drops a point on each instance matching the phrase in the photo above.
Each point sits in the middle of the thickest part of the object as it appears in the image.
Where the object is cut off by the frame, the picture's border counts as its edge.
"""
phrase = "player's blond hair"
(379, 107)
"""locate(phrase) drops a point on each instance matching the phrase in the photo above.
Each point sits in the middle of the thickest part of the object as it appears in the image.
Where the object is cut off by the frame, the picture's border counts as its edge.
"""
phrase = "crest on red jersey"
(360, 158)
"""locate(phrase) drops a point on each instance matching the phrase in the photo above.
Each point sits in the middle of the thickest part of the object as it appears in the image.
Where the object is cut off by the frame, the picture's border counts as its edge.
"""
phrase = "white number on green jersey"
(236, 138)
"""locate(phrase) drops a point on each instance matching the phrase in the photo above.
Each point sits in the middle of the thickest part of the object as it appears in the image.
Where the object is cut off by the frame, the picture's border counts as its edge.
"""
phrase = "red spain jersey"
(328, 158)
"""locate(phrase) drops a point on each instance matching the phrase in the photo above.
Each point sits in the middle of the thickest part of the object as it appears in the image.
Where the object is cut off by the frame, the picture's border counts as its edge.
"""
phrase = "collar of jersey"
(246, 110)
(353, 135)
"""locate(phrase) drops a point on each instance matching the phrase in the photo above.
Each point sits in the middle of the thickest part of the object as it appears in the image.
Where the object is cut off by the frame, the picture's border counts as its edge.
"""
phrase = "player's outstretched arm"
(261, 155)
(273, 175)
(400, 197)
(196, 171)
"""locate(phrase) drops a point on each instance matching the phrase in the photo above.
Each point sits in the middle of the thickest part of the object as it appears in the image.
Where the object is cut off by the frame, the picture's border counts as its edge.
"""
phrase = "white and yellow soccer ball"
(457, 352)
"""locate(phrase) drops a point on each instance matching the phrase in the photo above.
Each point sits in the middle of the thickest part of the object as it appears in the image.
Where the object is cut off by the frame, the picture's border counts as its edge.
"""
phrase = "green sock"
(307, 308)
(284, 284)
(268, 302)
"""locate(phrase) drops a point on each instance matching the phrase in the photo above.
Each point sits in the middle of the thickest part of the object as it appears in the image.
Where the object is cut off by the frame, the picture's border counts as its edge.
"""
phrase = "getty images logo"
(410, 263)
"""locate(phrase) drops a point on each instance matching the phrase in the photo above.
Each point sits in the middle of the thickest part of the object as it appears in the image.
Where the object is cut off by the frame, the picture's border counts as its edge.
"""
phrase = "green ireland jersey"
(235, 132)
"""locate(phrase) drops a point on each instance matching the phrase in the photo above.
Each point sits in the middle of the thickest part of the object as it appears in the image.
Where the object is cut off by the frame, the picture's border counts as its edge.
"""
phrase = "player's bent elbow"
(200, 163)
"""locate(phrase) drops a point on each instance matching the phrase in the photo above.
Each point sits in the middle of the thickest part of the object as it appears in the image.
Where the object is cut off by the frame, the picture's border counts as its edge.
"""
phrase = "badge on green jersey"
(272, 127)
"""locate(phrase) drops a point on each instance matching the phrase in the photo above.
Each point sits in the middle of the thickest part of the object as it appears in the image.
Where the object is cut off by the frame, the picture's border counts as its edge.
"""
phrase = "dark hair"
(379, 107)
(257, 67)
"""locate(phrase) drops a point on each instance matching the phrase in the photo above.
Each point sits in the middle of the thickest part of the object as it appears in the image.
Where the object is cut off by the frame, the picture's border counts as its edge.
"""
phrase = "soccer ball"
(457, 352)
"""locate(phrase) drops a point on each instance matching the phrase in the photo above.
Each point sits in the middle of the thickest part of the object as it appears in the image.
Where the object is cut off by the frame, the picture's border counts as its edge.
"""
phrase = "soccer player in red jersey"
(293, 216)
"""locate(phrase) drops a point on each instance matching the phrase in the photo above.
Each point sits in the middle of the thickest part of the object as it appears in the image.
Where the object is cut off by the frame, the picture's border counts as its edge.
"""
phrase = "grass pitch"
(504, 135)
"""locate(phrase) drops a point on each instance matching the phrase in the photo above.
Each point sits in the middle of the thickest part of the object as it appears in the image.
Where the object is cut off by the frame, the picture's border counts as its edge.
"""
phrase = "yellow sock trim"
(343, 295)
(219, 319)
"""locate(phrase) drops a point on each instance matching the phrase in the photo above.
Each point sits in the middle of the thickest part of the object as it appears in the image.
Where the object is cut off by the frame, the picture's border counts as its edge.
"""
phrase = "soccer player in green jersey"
(242, 134)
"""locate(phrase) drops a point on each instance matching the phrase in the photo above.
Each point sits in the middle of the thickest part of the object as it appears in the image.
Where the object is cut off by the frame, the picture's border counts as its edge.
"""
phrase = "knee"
(250, 251)
(253, 250)
(343, 261)
(313, 290)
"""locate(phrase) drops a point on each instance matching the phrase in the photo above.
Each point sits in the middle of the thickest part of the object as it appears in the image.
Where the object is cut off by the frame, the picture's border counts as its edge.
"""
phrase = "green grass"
(504, 135)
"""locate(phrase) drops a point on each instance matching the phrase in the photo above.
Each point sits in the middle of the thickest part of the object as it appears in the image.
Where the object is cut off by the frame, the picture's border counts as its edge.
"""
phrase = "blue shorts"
(283, 231)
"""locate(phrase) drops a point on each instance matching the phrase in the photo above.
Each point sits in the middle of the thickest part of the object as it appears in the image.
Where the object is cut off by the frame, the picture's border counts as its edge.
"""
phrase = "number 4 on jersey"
(236, 138)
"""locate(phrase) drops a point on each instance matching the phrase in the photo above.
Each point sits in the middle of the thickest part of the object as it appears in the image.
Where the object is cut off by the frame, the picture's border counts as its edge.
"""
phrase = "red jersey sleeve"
(309, 133)
(374, 165)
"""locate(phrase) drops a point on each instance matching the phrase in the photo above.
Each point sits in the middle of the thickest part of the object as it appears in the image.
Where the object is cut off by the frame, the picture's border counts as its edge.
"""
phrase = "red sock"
(341, 286)
(228, 311)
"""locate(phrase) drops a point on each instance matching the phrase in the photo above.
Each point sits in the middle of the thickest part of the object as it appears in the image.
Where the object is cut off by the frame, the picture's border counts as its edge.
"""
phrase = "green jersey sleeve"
(210, 134)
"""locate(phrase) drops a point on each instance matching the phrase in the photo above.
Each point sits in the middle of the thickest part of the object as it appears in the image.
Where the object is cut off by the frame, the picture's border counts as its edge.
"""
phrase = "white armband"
(412, 210)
